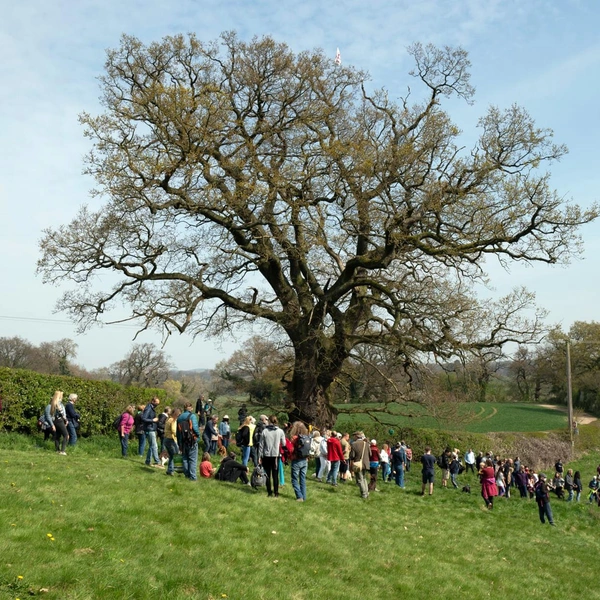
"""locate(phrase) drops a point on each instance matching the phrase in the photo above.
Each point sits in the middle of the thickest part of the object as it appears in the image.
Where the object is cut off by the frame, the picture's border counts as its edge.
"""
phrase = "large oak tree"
(242, 182)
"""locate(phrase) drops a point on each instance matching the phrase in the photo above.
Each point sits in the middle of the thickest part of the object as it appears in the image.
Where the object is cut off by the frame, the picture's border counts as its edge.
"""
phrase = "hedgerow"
(24, 395)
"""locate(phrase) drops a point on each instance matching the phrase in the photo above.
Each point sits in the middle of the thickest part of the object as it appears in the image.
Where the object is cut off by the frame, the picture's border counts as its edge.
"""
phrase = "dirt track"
(582, 419)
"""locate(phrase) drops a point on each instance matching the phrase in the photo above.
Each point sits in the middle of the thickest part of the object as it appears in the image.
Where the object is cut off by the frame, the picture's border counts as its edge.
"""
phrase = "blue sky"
(542, 55)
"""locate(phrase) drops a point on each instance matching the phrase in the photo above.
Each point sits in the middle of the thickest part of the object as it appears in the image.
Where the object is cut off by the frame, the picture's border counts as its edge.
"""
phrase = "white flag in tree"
(338, 57)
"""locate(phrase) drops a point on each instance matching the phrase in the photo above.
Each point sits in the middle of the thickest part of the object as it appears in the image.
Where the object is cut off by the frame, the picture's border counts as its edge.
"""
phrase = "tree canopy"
(242, 182)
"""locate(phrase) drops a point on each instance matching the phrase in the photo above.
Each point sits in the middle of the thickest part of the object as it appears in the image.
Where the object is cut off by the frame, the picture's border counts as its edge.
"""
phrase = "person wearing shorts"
(428, 471)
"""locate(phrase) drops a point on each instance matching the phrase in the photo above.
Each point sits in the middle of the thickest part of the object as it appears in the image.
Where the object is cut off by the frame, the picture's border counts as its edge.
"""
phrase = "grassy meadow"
(93, 525)
(474, 417)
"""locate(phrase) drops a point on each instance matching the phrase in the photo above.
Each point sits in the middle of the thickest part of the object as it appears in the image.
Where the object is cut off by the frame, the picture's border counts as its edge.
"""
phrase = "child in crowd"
(206, 468)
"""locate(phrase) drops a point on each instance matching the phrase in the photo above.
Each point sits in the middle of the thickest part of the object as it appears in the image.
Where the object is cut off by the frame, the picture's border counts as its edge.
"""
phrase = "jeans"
(571, 492)
(172, 450)
(206, 442)
(545, 510)
(124, 443)
(152, 448)
(225, 442)
(141, 443)
(72, 433)
(245, 455)
(190, 461)
(299, 468)
(254, 455)
(385, 471)
(317, 465)
(333, 473)
(324, 468)
(399, 475)
(453, 479)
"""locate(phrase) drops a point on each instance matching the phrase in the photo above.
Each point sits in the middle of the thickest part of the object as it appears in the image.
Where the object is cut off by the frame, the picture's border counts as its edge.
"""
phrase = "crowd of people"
(172, 438)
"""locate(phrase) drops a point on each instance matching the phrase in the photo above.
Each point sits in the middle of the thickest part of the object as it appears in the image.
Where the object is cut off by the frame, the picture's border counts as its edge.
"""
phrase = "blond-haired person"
(56, 419)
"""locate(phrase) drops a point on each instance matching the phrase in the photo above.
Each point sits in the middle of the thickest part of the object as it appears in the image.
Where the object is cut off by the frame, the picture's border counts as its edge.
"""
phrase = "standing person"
(160, 426)
(398, 463)
(56, 417)
(360, 459)
(299, 438)
(577, 485)
(445, 466)
(125, 427)
(200, 410)
(569, 484)
(268, 454)
(315, 451)
(253, 448)
(263, 421)
(325, 466)
(138, 425)
(373, 465)
(520, 478)
(384, 462)
(488, 483)
(543, 500)
(242, 439)
(559, 467)
(409, 457)
(454, 469)
(225, 431)
(188, 433)
(470, 461)
(211, 435)
(508, 476)
(335, 455)
(150, 421)
(242, 414)
(428, 470)
(72, 419)
(345, 464)
(171, 439)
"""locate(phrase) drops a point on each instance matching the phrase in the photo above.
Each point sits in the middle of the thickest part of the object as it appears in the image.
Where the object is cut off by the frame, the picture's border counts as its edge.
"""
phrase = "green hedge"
(25, 394)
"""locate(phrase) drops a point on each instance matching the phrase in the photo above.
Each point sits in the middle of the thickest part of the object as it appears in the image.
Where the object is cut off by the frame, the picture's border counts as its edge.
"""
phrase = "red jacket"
(334, 449)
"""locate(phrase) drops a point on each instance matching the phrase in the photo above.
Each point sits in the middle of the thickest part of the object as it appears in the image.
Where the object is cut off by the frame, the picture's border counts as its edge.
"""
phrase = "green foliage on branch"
(25, 394)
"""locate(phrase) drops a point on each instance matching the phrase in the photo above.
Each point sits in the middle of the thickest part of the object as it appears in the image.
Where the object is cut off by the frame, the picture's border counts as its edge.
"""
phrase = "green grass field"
(472, 417)
(92, 525)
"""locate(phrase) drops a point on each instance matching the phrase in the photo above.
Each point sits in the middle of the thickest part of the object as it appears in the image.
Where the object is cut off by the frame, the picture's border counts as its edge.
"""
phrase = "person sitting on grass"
(206, 468)
(231, 470)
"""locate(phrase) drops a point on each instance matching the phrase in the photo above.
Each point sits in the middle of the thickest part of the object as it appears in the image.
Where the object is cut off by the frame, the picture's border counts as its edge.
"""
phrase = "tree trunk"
(308, 392)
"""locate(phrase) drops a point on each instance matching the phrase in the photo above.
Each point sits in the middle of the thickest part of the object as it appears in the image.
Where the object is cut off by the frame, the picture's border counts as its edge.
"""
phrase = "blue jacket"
(148, 417)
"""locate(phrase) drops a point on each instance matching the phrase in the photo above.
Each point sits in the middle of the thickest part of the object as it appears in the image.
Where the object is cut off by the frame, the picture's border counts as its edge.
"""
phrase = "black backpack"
(303, 446)
(239, 437)
(188, 437)
(116, 424)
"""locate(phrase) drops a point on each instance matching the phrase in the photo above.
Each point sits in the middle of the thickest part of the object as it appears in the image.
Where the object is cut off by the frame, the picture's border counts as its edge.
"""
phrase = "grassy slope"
(477, 418)
(124, 531)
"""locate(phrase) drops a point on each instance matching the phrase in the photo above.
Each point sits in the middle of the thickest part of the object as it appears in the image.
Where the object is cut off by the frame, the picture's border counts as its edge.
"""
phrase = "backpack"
(160, 426)
(539, 494)
(259, 478)
(185, 428)
(303, 446)
(116, 424)
(239, 437)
